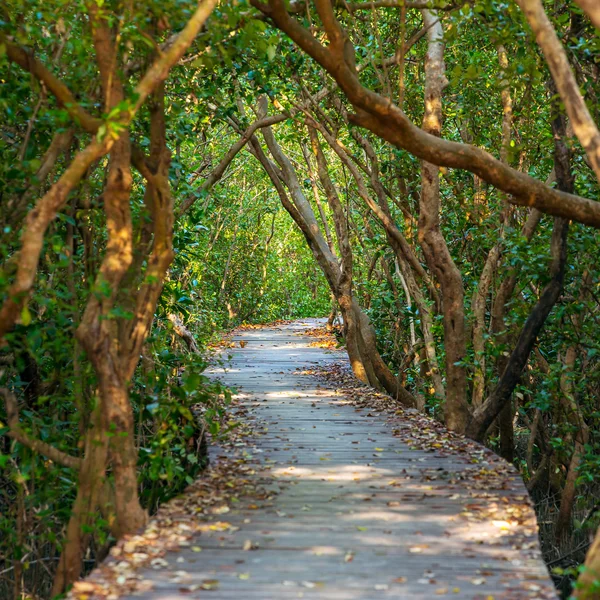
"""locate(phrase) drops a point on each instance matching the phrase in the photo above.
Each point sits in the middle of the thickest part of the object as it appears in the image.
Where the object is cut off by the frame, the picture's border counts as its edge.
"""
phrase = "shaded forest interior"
(425, 174)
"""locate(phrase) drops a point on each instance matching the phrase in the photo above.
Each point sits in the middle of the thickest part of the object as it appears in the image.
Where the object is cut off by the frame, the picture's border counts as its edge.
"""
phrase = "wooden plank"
(349, 521)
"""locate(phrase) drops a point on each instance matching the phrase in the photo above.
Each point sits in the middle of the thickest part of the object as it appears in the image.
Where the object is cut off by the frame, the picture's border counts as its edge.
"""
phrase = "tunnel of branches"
(422, 175)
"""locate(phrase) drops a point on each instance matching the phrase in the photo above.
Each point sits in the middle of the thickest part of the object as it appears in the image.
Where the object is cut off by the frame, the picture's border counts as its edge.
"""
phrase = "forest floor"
(331, 492)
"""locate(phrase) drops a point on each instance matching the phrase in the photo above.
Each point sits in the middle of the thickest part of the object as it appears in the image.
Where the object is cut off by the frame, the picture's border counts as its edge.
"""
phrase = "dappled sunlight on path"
(349, 510)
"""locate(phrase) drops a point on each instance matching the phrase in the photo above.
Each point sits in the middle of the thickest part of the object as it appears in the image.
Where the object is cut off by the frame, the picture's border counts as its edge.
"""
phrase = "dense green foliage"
(224, 273)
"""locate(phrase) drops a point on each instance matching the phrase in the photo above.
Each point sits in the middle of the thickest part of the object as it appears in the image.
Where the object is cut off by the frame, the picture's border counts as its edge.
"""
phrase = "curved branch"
(583, 125)
(300, 7)
(184, 333)
(16, 433)
(389, 122)
(217, 173)
(27, 61)
(36, 224)
(48, 206)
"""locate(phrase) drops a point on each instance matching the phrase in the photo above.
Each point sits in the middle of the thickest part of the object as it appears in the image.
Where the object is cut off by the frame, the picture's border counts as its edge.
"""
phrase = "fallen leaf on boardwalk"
(244, 576)
(219, 526)
(478, 581)
(441, 591)
(249, 545)
(177, 522)
(485, 478)
(220, 510)
(84, 587)
(188, 589)
(129, 547)
(210, 584)
(159, 563)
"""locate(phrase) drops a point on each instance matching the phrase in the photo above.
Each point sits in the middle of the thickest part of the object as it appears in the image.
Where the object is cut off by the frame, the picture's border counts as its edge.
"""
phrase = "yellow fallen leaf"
(210, 584)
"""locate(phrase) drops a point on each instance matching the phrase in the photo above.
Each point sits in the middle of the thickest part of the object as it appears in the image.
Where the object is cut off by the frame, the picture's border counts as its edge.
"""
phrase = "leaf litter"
(485, 489)
(178, 523)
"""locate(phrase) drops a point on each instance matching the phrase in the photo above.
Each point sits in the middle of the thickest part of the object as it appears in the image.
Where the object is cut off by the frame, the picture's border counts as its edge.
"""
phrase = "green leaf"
(25, 316)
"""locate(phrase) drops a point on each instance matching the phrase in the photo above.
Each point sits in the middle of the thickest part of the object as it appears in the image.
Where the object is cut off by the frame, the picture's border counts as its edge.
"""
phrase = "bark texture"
(580, 118)
(432, 240)
(588, 584)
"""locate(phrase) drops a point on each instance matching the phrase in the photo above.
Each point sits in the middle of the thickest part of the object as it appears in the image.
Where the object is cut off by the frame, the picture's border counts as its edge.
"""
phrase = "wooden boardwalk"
(356, 513)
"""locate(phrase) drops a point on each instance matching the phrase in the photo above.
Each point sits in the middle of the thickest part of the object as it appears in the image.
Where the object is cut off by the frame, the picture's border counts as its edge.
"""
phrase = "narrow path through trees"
(353, 510)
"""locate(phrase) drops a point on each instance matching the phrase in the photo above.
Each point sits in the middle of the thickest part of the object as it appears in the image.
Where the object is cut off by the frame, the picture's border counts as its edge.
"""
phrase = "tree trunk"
(432, 240)
(574, 417)
(588, 584)
(501, 395)
(426, 325)
(361, 368)
(564, 79)
(84, 513)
